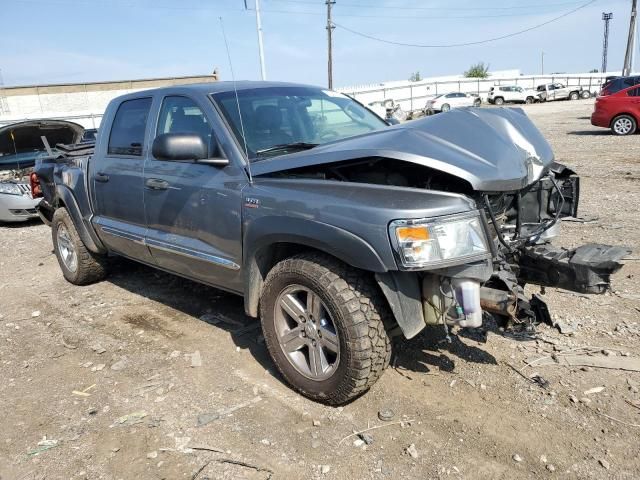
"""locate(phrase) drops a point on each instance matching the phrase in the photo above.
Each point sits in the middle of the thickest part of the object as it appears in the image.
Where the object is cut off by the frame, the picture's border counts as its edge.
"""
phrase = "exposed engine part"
(585, 269)
(451, 301)
(498, 301)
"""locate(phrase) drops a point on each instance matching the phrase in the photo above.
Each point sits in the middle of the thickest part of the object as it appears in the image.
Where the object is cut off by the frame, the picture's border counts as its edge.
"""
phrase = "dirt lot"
(149, 376)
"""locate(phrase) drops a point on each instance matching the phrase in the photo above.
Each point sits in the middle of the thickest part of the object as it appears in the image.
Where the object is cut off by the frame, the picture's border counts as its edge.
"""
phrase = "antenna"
(235, 89)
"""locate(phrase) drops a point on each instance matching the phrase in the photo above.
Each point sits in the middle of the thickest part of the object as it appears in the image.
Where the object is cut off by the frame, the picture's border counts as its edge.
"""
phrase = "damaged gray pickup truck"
(339, 230)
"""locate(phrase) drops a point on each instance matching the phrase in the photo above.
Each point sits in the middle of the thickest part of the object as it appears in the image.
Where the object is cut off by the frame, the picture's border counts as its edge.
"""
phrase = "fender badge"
(251, 202)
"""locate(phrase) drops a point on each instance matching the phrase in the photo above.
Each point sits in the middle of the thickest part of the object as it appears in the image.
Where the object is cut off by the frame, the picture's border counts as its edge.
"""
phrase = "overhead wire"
(404, 7)
(466, 44)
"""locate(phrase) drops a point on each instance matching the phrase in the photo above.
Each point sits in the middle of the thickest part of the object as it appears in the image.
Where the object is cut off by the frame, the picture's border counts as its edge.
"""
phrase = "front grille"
(23, 212)
(24, 188)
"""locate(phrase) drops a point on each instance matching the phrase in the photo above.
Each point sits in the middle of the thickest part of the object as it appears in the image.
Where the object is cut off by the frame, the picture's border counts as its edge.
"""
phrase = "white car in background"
(501, 94)
(447, 101)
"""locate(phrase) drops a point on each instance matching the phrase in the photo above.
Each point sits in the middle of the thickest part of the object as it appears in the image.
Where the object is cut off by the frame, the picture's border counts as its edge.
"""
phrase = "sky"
(69, 41)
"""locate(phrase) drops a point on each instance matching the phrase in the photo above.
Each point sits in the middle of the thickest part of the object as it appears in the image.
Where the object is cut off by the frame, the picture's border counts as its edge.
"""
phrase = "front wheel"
(79, 265)
(529, 100)
(477, 102)
(623, 125)
(323, 325)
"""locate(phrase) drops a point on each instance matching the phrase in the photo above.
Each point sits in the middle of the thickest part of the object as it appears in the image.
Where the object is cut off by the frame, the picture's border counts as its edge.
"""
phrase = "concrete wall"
(83, 103)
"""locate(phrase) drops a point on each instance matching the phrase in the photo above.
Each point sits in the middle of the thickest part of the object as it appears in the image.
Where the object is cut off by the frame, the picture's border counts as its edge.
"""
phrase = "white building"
(83, 103)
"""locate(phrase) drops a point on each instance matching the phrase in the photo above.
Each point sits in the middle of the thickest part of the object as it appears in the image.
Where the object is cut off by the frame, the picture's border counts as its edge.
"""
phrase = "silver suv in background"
(501, 94)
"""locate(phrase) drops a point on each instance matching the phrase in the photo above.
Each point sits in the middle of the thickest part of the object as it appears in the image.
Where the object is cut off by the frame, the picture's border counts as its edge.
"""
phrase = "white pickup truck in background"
(559, 91)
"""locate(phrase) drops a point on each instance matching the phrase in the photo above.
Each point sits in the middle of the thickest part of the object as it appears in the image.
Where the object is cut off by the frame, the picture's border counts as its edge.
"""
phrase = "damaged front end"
(453, 268)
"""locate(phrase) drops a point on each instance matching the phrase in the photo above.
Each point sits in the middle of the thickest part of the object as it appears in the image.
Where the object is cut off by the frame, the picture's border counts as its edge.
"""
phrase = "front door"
(117, 175)
(193, 209)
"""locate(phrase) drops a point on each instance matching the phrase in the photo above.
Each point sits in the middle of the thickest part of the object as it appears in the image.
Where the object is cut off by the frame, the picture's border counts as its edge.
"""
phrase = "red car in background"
(618, 106)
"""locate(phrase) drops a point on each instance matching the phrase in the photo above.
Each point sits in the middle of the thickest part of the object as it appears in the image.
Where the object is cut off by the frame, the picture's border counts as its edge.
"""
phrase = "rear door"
(194, 209)
(633, 102)
(116, 171)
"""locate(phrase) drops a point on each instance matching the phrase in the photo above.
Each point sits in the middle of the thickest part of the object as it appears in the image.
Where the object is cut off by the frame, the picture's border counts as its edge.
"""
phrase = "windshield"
(298, 117)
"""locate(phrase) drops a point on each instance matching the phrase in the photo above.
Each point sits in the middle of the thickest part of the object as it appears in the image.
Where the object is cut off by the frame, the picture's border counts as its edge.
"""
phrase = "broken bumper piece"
(585, 269)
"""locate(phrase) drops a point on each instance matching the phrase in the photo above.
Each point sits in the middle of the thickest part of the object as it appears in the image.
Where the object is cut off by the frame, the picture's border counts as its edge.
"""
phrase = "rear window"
(129, 125)
(617, 84)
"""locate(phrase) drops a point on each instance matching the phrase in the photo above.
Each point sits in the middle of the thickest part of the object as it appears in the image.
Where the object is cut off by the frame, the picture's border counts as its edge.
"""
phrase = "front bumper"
(17, 208)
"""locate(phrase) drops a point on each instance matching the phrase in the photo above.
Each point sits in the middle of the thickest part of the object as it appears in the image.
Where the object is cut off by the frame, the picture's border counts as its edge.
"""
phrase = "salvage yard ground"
(150, 376)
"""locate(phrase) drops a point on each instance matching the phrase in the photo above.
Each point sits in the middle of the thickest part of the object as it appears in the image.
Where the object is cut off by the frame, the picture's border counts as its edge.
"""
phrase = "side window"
(634, 92)
(182, 115)
(129, 125)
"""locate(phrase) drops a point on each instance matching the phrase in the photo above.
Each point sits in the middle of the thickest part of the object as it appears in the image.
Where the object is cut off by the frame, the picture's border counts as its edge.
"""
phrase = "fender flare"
(85, 229)
(263, 233)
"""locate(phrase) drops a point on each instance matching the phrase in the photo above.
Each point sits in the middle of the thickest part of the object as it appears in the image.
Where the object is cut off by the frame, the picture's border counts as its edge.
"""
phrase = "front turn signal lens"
(412, 234)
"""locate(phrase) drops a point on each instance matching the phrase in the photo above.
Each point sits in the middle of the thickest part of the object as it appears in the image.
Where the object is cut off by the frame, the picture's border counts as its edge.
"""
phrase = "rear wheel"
(323, 325)
(499, 101)
(79, 265)
(477, 102)
(585, 94)
(574, 96)
(445, 107)
(623, 125)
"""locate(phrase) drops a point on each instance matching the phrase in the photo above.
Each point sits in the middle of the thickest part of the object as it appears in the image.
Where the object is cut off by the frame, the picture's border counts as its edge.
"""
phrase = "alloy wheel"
(306, 332)
(66, 249)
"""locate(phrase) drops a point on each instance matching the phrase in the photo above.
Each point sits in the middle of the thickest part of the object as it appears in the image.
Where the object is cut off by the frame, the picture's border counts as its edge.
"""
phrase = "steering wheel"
(329, 135)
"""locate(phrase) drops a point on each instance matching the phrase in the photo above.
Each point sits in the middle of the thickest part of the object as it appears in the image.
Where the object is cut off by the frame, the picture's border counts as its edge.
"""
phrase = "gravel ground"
(150, 376)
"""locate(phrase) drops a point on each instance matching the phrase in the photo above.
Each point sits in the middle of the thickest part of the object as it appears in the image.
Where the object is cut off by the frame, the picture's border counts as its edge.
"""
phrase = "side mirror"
(183, 146)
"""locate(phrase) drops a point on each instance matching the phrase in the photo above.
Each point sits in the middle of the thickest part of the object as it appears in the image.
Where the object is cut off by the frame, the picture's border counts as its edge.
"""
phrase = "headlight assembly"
(434, 242)
(10, 189)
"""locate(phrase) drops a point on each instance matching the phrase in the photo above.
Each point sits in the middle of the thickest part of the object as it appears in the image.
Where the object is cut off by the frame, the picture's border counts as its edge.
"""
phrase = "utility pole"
(605, 43)
(631, 40)
(542, 64)
(260, 45)
(330, 28)
(263, 71)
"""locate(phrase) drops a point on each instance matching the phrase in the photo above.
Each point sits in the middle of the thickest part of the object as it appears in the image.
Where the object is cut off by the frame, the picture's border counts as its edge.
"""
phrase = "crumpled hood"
(494, 149)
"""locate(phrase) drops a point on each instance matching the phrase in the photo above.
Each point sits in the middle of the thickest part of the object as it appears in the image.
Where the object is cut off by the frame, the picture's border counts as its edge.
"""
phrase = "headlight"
(10, 189)
(444, 240)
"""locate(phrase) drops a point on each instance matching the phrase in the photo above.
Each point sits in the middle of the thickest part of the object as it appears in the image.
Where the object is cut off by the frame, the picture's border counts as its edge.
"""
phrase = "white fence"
(412, 95)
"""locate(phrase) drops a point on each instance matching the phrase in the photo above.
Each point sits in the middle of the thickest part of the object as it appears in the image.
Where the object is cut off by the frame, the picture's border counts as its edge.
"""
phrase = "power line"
(401, 7)
(408, 17)
(466, 44)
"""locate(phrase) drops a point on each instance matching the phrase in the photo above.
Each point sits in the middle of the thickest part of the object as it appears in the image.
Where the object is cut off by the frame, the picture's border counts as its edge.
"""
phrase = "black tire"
(574, 96)
(529, 100)
(624, 125)
(585, 94)
(498, 101)
(477, 102)
(445, 107)
(357, 309)
(90, 267)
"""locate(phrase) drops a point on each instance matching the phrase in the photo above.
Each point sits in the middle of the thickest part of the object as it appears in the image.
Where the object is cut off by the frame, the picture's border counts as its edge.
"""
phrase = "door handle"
(156, 184)
(102, 177)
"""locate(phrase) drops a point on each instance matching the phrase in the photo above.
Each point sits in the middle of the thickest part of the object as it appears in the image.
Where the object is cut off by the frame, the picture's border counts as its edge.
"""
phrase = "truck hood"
(497, 149)
(21, 145)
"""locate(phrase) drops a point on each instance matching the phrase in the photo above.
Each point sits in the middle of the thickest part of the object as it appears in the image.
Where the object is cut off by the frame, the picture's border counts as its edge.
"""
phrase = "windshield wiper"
(288, 146)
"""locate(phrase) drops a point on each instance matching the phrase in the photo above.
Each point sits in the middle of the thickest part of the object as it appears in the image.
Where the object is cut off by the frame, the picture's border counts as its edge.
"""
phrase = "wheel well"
(261, 264)
(623, 114)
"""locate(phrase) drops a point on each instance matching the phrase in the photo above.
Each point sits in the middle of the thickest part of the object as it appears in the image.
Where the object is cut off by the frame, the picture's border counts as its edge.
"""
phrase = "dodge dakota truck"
(339, 230)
